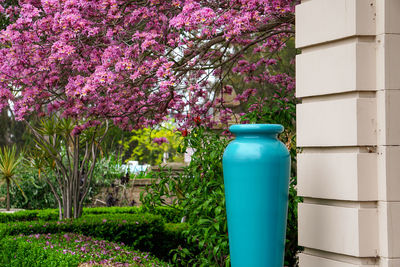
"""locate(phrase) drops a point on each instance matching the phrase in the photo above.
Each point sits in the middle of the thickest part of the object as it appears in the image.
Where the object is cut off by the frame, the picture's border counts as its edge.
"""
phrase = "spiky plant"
(9, 161)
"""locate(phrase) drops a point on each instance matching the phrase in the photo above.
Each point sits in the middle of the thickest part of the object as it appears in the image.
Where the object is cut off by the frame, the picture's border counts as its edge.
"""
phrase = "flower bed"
(145, 232)
(69, 249)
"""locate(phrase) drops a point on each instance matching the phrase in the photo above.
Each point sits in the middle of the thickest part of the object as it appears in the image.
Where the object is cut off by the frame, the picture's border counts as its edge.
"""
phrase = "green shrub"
(47, 215)
(199, 193)
(116, 210)
(29, 215)
(168, 214)
(68, 250)
(171, 238)
(38, 191)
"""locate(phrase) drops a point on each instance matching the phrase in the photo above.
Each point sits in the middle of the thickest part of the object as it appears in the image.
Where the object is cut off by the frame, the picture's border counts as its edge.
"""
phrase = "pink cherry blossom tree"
(138, 62)
(134, 62)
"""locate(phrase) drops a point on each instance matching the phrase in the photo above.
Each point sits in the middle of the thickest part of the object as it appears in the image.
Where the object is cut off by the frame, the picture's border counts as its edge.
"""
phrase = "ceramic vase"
(256, 168)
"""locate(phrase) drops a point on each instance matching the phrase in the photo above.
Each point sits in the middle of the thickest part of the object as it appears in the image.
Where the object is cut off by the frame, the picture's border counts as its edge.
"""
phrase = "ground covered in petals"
(69, 249)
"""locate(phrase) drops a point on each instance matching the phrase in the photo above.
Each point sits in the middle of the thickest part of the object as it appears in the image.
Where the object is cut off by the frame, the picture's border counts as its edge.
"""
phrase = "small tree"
(71, 155)
(148, 145)
(9, 161)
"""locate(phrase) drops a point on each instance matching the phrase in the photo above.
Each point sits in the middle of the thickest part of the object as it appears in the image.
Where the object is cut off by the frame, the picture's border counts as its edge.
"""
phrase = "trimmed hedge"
(137, 230)
(145, 232)
(171, 238)
(69, 250)
(29, 215)
(170, 215)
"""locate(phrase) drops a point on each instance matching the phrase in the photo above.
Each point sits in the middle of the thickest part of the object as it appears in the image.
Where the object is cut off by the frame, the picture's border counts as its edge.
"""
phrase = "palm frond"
(9, 161)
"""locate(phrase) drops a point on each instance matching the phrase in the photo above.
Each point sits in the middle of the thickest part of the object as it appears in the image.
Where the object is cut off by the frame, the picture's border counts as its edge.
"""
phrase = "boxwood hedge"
(169, 215)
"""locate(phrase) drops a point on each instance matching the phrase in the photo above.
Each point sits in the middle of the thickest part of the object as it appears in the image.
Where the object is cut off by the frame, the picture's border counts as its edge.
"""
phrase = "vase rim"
(256, 128)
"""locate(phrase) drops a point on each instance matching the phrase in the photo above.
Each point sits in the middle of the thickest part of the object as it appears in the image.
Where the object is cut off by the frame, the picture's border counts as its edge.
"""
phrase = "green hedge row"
(69, 250)
(171, 238)
(170, 215)
(29, 215)
(145, 232)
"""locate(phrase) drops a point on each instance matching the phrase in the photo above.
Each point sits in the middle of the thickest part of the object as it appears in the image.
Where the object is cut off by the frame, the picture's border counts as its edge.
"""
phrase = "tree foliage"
(148, 145)
(137, 61)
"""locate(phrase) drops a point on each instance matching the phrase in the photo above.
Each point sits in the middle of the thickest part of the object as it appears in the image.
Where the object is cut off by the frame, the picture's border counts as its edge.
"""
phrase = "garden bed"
(70, 249)
(128, 226)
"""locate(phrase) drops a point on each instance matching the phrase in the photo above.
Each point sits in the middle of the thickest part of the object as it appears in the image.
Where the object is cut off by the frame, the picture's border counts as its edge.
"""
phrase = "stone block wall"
(348, 129)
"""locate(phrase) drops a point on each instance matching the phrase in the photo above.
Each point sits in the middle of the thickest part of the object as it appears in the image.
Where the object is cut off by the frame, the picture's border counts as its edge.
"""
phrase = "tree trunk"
(69, 205)
(57, 197)
(59, 200)
(8, 195)
(80, 208)
(64, 200)
(67, 209)
(60, 215)
(68, 201)
(74, 183)
(76, 194)
(77, 208)
(62, 203)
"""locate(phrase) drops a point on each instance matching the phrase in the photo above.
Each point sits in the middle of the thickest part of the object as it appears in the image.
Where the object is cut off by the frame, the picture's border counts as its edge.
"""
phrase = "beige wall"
(348, 126)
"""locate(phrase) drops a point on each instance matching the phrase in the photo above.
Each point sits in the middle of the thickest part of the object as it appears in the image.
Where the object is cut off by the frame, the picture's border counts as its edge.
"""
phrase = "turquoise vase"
(256, 176)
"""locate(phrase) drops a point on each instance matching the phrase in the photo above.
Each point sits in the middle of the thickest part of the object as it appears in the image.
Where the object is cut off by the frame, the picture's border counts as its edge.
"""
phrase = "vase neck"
(256, 130)
(257, 136)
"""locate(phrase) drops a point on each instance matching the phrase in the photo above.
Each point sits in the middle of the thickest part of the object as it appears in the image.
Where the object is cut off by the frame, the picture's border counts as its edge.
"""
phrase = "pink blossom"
(137, 63)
